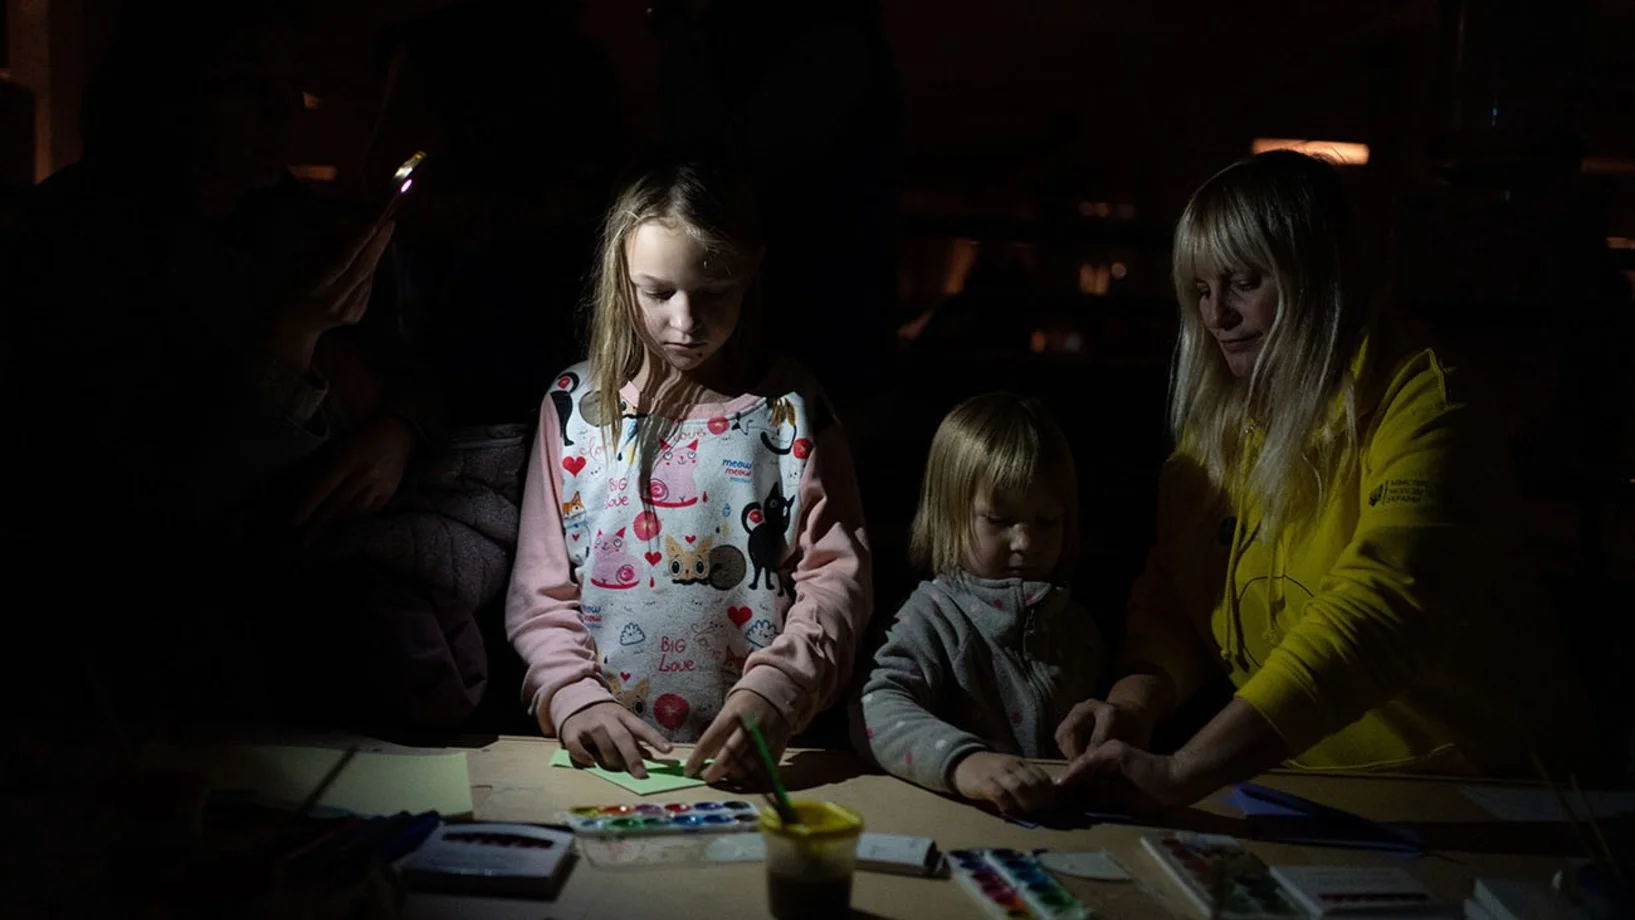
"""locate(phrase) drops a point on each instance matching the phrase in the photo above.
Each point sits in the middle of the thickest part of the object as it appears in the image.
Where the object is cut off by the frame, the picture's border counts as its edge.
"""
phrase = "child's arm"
(910, 671)
(542, 605)
(808, 665)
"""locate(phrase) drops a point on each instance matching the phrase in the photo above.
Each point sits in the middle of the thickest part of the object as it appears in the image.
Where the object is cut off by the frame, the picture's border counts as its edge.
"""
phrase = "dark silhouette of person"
(520, 113)
(806, 99)
(191, 402)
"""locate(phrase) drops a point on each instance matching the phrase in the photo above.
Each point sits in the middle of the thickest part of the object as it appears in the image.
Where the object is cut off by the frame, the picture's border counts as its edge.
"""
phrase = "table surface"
(512, 781)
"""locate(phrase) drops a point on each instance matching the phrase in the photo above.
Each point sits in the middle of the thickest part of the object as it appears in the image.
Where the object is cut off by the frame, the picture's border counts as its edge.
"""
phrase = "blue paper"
(1250, 805)
(1302, 821)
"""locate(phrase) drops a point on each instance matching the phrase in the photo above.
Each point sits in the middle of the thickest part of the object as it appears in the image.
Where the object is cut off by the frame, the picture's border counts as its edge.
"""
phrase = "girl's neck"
(721, 380)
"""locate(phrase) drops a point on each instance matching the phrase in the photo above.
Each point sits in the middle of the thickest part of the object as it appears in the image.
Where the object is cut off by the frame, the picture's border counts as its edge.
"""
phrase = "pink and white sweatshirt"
(747, 568)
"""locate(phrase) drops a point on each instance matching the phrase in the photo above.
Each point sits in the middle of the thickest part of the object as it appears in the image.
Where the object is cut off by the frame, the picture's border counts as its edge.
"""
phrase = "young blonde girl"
(691, 544)
(988, 657)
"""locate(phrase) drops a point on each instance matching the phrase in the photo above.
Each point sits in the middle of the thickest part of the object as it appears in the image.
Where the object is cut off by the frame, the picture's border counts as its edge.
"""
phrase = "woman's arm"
(1164, 659)
(1402, 588)
(1238, 744)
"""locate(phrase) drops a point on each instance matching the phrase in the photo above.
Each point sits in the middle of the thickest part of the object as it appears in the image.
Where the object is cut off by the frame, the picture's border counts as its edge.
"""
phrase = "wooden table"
(512, 781)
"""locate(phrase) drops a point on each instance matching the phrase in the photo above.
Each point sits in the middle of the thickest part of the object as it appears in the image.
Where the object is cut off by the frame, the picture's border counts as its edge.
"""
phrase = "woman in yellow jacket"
(1335, 530)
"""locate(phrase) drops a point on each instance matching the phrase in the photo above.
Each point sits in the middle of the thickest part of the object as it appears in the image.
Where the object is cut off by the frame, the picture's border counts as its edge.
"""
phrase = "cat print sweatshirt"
(745, 567)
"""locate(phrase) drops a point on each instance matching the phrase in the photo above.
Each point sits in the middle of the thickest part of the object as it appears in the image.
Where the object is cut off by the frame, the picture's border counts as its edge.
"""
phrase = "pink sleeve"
(806, 668)
(542, 605)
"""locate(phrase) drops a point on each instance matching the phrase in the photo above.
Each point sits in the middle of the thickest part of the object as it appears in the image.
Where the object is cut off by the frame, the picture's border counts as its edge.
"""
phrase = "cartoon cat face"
(679, 456)
(610, 544)
(688, 565)
(573, 506)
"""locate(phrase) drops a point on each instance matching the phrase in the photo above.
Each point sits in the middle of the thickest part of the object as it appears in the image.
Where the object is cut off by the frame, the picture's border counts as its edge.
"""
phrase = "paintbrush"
(1567, 809)
(1595, 828)
(324, 784)
(778, 798)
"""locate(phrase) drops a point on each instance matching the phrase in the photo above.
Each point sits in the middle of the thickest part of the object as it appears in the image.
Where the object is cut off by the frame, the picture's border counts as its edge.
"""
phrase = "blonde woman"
(986, 659)
(691, 546)
(1333, 529)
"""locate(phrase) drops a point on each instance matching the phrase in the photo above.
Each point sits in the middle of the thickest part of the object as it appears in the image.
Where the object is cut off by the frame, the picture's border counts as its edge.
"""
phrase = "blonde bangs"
(1271, 440)
(1216, 235)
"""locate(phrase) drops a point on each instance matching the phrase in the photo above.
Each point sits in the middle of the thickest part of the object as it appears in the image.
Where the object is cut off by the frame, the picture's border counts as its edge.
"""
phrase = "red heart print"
(739, 615)
(624, 675)
(654, 558)
(689, 539)
(573, 464)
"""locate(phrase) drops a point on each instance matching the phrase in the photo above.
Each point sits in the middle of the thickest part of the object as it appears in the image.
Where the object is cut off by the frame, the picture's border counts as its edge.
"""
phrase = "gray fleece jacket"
(975, 664)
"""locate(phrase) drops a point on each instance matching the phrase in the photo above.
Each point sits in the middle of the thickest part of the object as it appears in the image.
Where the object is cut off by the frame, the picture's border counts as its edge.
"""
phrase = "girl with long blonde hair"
(691, 546)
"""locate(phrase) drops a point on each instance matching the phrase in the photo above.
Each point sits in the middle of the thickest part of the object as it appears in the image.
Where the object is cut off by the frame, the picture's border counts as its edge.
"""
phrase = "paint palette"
(651, 818)
(1195, 861)
(1012, 885)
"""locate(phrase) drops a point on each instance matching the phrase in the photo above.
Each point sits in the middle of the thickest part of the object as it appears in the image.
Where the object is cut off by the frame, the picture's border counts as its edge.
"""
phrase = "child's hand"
(1011, 783)
(611, 737)
(732, 750)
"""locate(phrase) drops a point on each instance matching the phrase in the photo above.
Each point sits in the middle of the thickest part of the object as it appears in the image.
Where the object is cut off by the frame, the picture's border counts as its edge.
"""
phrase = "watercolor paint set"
(1012, 885)
(1211, 868)
(662, 819)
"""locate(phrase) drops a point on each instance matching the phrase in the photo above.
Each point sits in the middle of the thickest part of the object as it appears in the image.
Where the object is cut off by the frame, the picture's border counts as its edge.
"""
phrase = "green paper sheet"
(662, 776)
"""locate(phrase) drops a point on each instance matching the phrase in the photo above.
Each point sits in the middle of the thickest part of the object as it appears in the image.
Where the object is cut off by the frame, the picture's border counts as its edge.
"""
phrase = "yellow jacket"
(1400, 628)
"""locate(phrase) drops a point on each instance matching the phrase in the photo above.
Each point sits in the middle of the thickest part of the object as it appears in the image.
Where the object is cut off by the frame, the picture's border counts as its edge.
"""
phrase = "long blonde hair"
(712, 207)
(1274, 439)
(996, 444)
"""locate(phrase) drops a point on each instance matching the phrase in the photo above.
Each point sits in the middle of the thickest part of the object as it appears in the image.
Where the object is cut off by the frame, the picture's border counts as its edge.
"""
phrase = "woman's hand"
(733, 751)
(360, 477)
(1010, 783)
(1238, 744)
(610, 736)
(1131, 776)
(1093, 723)
(1131, 711)
(336, 295)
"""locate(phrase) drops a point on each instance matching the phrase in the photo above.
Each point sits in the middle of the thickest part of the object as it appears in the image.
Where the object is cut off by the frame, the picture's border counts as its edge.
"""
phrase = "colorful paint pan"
(620, 820)
(1012, 885)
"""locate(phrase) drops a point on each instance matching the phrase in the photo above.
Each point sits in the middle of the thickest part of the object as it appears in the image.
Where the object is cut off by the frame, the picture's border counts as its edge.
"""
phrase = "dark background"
(998, 180)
